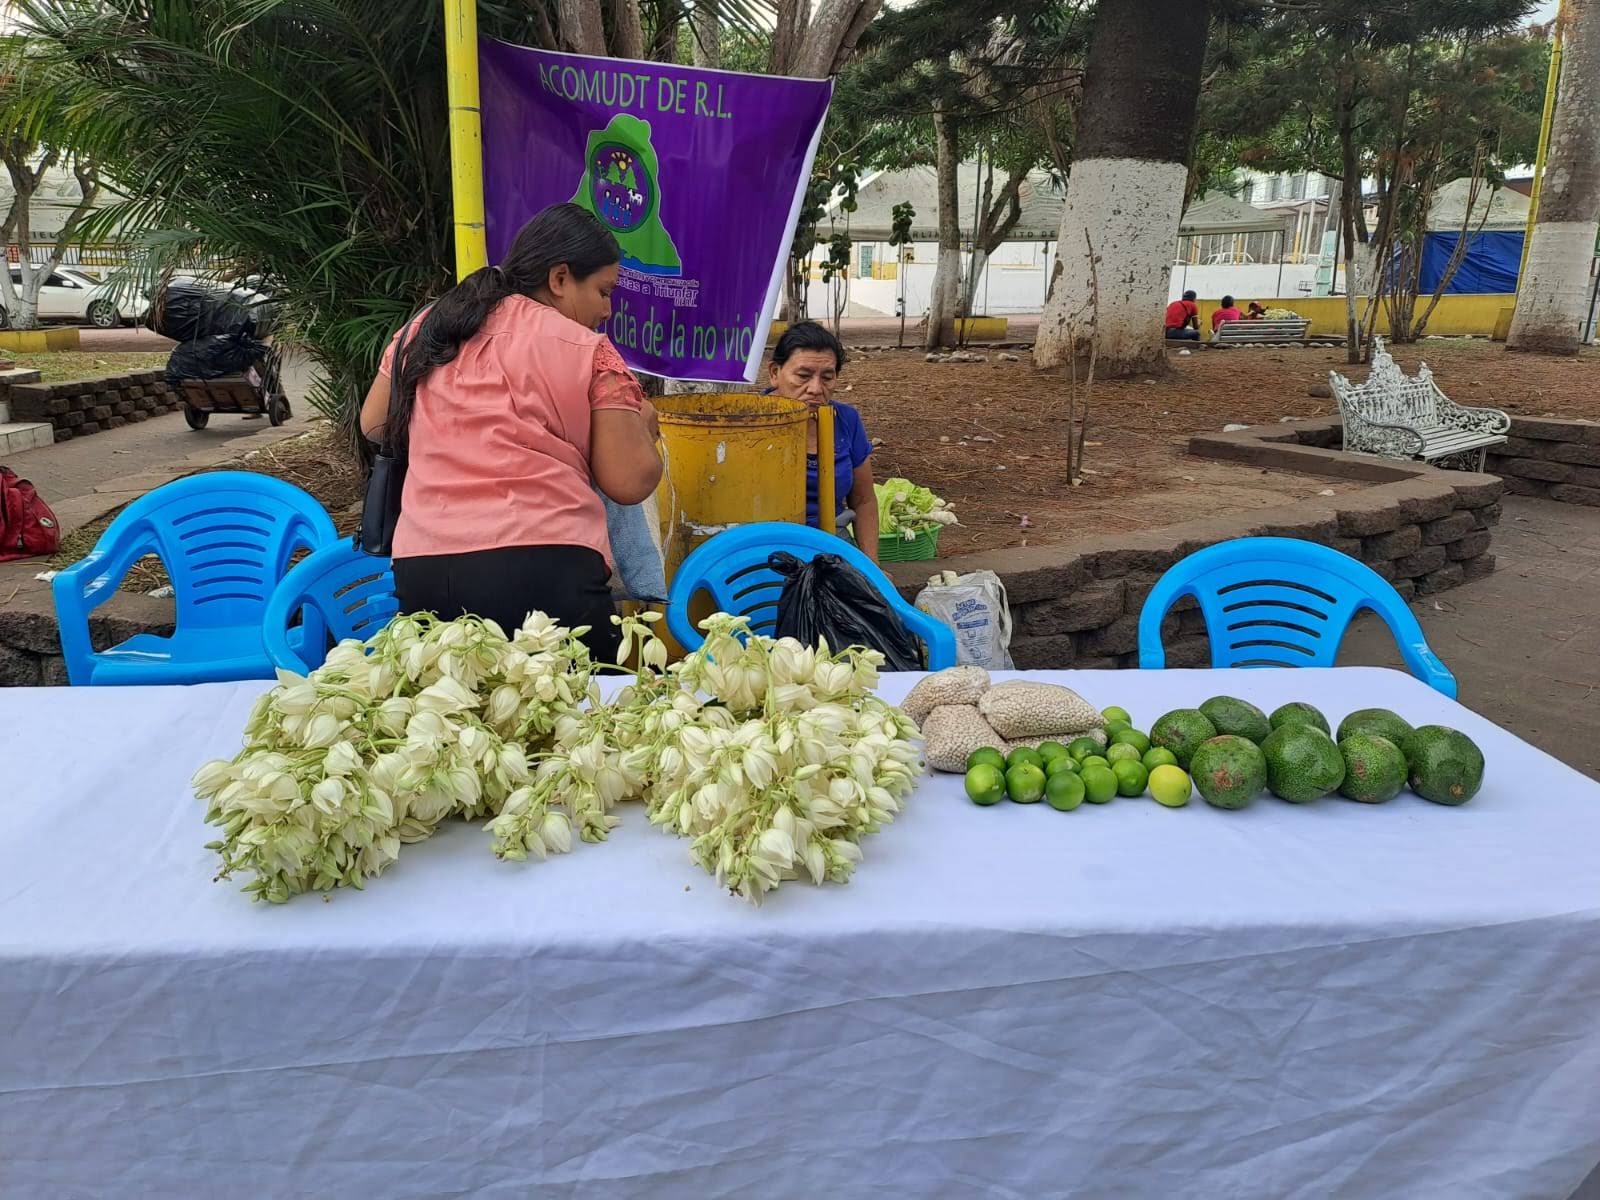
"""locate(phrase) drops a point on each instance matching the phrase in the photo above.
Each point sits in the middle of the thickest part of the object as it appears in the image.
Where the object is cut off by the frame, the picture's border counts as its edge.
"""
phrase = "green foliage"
(302, 140)
(904, 215)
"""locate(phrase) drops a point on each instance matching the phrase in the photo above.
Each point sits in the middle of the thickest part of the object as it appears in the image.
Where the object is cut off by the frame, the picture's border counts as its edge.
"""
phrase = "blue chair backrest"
(339, 589)
(225, 538)
(1282, 602)
(732, 566)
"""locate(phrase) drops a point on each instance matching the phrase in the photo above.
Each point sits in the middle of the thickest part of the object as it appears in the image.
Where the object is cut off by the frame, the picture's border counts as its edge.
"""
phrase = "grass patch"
(63, 366)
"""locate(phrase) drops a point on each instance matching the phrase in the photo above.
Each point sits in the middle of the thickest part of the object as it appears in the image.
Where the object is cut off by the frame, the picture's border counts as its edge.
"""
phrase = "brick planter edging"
(1554, 460)
(86, 406)
(30, 646)
(1078, 604)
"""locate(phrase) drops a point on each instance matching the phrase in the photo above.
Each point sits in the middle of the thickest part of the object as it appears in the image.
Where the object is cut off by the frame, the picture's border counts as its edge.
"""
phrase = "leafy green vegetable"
(906, 510)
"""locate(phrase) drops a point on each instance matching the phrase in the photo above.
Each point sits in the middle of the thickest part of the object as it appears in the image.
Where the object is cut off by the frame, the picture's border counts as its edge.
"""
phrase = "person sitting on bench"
(1228, 312)
(1183, 319)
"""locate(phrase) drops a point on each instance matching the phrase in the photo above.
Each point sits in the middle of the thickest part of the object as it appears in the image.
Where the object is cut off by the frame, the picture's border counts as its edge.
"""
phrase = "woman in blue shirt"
(805, 366)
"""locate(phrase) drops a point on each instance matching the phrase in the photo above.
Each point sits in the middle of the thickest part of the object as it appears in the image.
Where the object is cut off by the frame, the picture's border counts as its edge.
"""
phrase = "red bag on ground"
(27, 526)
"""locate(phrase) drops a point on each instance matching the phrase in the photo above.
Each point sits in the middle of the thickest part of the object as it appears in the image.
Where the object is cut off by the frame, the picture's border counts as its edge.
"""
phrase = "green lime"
(1170, 786)
(1118, 751)
(1113, 727)
(1131, 776)
(1082, 747)
(1158, 756)
(1024, 754)
(1063, 791)
(1025, 783)
(1064, 764)
(1099, 784)
(1094, 760)
(987, 755)
(985, 784)
(1131, 737)
(1049, 750)
(1116, 713)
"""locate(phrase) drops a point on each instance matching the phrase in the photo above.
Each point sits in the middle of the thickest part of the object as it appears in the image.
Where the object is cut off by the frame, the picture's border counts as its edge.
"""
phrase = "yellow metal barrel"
(732, 458)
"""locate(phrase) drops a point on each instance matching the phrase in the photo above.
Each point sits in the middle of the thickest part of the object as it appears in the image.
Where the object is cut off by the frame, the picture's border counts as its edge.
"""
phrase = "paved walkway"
(1523, 643)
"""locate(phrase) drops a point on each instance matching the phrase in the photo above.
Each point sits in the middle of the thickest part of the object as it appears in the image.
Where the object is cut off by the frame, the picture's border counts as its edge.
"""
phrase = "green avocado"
(1228, 771)
(1298, 713)
(1374, 768)
(1238, 717)
(1181, 731)
(1446, 765)
(1378, 722)
(1302, 763)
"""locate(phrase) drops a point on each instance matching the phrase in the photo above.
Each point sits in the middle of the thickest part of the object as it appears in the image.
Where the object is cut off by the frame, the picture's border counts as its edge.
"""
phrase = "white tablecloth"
(1128, 1001)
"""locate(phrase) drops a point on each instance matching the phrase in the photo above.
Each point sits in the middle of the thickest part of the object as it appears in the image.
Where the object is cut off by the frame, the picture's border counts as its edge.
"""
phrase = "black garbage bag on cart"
(191, 312)
(214, 357)
(828, 598)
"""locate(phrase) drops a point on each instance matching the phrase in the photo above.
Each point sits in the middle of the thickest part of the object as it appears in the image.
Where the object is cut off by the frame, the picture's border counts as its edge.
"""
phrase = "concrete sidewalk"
(1523, 643)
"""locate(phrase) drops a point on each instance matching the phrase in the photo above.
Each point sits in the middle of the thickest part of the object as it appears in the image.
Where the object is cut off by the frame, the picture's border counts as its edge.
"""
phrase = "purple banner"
(699, 173)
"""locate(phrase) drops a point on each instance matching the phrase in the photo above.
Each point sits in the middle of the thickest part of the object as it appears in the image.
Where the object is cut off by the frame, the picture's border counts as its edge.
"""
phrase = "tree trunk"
(707, 34)
(946, 293)
(1125, 196)
(992, 229)
(816, 47)
(1553, 297)
(582, 29)
(627, 31)
(1349, 213)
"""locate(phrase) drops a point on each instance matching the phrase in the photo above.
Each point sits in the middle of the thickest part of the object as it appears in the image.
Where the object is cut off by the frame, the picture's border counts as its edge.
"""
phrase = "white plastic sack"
(974, 606)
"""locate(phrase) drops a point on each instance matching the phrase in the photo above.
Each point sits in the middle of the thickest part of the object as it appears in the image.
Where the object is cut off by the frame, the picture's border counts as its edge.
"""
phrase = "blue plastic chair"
(350, 592)
(226, 540)
(732, 566)
(1281, 602)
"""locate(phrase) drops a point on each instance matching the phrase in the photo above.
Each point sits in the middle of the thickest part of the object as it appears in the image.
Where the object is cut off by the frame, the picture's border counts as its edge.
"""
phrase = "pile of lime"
(1234, 751)
(1064, 776)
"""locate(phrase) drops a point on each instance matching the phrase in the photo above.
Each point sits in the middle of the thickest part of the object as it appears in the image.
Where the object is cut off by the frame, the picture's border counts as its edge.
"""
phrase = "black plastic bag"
(829, 598)
(213, 357)
(192, 312)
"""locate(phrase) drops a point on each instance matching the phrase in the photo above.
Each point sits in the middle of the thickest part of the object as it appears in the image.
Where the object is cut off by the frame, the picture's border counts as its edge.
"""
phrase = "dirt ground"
(990, 437)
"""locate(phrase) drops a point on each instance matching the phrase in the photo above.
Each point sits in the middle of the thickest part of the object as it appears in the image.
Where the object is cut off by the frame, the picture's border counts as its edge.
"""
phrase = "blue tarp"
(1490, 265)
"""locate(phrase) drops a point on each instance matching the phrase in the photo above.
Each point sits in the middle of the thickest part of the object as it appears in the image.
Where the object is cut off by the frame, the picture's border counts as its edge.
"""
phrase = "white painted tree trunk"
(1128, 210)
(1553, 298)
(945, 297)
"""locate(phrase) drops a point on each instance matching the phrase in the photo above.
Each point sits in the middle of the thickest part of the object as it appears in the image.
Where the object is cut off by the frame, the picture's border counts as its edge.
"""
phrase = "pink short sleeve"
(386, 363)
(612, 385)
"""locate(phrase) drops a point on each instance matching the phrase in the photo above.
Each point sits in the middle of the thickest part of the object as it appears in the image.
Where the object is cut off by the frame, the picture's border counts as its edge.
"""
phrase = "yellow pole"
(827, 504)
(1544, 140)
(466, 138)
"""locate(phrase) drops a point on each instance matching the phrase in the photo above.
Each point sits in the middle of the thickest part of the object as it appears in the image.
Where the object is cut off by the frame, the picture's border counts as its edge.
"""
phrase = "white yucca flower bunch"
(774, 757)
(428, 720)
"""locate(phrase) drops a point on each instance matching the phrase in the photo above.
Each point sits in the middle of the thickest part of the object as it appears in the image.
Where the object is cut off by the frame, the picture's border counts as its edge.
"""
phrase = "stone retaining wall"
(30, 647)
(1555, 460)
(1078, 604)
(87, 406)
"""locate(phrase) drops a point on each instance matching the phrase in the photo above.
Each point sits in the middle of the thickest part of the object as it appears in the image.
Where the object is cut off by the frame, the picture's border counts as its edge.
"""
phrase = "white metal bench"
(1261, 333)
(1401, 416)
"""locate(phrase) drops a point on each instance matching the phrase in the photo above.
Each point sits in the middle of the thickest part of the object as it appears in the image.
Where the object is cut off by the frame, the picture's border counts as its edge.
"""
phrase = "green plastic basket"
(919, 549)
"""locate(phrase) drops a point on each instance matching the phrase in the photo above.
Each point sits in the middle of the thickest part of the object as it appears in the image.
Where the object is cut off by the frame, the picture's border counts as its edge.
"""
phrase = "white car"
(73, 295)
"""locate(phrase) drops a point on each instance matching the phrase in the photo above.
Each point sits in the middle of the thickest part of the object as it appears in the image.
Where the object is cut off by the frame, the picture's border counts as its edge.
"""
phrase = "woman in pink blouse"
(510, 410)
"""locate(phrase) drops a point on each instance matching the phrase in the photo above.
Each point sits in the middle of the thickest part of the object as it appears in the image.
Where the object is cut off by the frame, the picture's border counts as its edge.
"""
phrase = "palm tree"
(1552, 298)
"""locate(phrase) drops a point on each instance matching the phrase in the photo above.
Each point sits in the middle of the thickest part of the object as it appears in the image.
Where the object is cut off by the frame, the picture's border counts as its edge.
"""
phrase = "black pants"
(568, 583)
